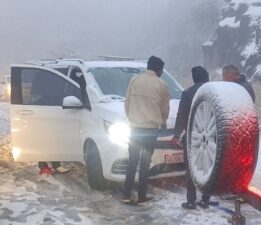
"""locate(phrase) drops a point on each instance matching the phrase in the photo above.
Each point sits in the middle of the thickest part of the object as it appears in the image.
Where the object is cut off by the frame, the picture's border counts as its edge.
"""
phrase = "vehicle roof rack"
(116, 58)
(71, 59)
(54, 61)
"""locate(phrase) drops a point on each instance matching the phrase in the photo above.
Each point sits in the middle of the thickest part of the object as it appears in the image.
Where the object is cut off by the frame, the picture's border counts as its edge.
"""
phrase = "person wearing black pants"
(141, 147)
(147, 109)
(200, 76)
(191, 189)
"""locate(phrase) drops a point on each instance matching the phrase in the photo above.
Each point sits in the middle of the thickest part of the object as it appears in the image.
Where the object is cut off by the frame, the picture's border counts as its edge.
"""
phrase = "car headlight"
(16, 153)
(119, 133)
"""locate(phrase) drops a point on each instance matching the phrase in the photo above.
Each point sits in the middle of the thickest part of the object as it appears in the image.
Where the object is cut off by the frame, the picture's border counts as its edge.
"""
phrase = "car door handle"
(25, 112)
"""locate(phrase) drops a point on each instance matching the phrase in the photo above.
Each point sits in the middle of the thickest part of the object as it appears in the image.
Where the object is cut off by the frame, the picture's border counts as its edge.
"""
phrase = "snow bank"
(250, 49)
(29, 199)
(237, 39)
(229, 22)
(237, 3)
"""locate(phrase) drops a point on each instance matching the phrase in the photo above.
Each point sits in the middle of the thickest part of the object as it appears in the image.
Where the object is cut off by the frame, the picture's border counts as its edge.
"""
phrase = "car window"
(115, 81)
(32, 86)
(63, 70)
(72, 90)
(40, 87)
(173, 86)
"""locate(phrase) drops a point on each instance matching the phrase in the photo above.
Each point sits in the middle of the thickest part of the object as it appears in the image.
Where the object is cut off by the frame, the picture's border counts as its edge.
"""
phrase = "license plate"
(174, 158)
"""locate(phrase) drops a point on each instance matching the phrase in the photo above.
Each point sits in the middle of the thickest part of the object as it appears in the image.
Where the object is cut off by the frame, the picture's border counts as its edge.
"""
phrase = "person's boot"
(127, 200)
(188, 205)
(203, 205)
(61, 169)
(142, 201)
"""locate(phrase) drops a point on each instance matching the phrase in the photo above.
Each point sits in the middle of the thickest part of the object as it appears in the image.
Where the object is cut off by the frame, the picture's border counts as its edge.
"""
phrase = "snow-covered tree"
(237, 38)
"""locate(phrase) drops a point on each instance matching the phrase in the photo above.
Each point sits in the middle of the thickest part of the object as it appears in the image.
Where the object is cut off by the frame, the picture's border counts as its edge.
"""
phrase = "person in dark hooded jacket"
(232, 74)
(200, 76)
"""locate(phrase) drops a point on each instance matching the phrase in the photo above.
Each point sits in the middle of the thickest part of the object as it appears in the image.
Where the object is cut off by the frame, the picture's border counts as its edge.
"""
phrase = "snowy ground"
(27, 198)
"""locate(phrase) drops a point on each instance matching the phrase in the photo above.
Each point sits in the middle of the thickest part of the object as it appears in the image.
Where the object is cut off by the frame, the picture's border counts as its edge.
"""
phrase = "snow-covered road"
(28, 198)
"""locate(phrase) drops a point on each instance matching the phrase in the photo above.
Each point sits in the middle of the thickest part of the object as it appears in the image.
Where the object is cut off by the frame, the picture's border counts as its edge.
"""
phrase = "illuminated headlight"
(16, 153)
(119, 133)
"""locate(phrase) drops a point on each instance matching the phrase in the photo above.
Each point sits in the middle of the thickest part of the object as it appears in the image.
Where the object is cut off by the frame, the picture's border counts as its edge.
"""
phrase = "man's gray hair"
(231, 68)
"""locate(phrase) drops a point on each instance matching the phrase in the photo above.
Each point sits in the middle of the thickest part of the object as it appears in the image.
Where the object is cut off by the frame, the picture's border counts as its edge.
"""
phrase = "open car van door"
(41, 129)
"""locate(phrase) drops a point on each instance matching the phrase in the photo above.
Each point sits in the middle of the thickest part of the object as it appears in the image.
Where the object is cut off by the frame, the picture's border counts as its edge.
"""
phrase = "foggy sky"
(41, 29)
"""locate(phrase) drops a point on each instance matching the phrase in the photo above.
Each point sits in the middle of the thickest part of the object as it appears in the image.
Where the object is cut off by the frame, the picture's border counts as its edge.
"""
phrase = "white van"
(53, 119)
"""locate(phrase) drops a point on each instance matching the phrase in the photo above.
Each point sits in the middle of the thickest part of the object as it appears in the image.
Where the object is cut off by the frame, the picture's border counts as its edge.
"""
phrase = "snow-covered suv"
(57, 116)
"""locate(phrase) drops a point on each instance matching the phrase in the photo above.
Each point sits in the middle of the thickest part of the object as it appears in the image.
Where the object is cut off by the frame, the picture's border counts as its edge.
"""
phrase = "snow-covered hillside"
(237, 38)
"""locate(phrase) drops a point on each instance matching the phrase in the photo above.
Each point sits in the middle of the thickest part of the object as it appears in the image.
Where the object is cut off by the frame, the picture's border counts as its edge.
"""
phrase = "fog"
(44, 29)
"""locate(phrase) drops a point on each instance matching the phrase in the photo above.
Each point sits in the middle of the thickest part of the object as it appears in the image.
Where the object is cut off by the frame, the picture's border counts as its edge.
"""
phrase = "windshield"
(115, 80)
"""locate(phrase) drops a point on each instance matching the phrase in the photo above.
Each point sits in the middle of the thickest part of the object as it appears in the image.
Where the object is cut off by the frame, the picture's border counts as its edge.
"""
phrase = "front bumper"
(159, 167)
(119, 167)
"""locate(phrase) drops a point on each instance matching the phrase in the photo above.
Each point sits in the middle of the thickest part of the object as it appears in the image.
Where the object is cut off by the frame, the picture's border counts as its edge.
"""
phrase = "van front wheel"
(94, 167)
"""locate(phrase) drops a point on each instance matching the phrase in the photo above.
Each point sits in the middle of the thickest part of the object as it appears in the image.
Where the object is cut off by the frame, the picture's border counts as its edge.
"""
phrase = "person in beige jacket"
(147, 109)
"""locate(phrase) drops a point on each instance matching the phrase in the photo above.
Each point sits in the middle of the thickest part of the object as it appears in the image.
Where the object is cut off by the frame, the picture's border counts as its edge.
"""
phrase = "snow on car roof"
(133, 64)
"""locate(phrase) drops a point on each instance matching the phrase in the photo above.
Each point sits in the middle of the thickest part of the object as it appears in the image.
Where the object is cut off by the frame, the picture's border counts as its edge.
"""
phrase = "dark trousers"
(44, 164)
(191, 188)
(141, 148)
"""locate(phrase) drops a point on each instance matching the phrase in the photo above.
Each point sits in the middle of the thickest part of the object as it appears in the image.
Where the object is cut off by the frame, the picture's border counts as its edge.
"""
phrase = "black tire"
(227, 148)
(94, 167)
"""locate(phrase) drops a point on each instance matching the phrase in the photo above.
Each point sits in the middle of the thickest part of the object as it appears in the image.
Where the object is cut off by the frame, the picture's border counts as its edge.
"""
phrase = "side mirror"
(72, 102)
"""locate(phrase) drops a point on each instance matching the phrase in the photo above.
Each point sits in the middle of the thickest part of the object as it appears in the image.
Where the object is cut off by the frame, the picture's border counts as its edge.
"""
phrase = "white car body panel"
(51, 133)
(54, 133)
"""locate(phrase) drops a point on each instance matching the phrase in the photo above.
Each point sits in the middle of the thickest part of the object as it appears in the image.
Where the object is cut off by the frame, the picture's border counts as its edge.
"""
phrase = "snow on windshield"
(115, 80)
